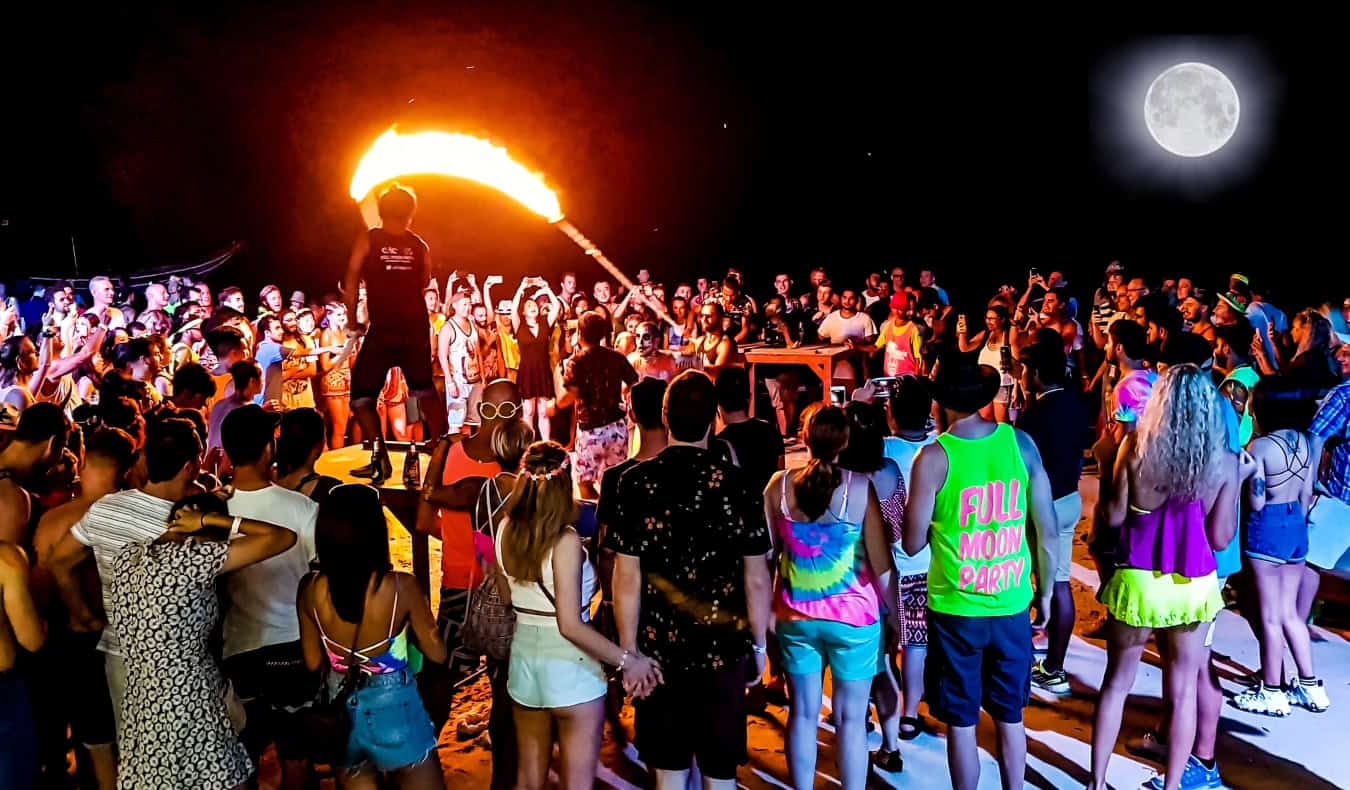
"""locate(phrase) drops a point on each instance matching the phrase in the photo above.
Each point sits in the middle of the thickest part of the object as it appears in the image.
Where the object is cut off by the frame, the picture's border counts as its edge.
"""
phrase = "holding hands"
(641, 675)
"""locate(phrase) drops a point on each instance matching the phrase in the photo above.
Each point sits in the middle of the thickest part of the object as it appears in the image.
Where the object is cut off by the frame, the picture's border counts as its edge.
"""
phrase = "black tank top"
(395, 272)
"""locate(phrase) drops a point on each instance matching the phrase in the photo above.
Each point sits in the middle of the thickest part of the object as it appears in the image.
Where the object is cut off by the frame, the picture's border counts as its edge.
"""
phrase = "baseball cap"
(967, 387)
(1115, 267)
(900, 301)
(1240, 277)
(297, 297)
(504, 307)
(246, 431)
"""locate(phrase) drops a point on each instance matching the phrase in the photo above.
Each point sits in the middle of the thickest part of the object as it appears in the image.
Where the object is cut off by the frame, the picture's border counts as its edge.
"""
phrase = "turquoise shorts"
(851, 651)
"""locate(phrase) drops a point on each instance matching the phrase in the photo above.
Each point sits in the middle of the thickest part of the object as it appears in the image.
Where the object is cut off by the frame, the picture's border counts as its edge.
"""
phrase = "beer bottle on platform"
(412, 468)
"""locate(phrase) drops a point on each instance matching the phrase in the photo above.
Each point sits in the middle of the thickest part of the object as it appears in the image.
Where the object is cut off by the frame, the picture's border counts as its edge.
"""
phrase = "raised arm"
(515, 306)
(351, 281)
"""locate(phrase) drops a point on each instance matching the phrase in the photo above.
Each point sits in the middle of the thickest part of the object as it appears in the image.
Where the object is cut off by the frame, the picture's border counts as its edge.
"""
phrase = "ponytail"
(815, 484)
(825, 431)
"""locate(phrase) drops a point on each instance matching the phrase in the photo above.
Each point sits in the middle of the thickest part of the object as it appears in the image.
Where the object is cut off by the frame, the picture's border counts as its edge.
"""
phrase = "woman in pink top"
(834, 561)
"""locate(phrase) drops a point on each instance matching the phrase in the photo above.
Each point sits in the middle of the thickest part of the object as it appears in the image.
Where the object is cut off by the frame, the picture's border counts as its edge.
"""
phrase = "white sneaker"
(1314, 697)
(1270, 702)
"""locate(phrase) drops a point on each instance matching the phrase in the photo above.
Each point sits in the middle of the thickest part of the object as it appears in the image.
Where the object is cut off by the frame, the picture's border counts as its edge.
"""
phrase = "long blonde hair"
(1182, 436)
(539, 509)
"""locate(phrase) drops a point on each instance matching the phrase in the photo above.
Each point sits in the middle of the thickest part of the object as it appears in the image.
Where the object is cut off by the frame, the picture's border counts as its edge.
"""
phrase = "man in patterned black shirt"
(692, 590)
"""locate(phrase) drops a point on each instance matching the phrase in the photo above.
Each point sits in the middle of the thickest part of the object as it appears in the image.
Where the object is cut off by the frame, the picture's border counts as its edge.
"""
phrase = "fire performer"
(393, 262)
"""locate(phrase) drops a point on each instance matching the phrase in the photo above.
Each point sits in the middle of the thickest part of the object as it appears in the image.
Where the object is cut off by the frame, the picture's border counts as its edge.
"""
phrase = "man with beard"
(650, 360)
(35, 445)
(1195, 311)
(714, 349)
(489, 344)
(848, 327)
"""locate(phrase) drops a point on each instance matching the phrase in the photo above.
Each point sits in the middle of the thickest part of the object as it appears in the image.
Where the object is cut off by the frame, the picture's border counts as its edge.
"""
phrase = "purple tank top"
(1170, 539)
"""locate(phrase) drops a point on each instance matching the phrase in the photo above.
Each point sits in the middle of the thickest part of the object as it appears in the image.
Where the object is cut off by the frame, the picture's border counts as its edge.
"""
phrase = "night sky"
(682, 140)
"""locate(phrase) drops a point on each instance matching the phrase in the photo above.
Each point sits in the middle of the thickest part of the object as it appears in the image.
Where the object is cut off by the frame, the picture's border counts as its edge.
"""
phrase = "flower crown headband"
(552, 473)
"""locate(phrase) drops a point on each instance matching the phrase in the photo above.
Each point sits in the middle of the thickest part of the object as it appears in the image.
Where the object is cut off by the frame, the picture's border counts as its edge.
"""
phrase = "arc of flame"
(457, 155)
(462, 156)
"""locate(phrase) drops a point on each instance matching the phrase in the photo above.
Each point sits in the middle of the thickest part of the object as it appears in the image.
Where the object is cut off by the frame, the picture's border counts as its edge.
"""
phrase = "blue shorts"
(1277, 533)
(978, 662)
(390, 728)
(851, 651)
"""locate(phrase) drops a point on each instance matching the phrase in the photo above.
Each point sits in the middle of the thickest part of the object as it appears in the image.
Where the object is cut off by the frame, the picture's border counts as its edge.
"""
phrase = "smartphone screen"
(837, 396)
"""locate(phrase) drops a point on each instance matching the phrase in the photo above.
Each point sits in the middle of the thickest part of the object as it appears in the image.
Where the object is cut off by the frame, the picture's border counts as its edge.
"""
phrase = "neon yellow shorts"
(1148, 599)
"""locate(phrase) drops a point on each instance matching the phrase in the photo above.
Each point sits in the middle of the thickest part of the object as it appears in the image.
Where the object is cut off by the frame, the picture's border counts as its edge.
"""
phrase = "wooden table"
(399, 500)
(820, 359)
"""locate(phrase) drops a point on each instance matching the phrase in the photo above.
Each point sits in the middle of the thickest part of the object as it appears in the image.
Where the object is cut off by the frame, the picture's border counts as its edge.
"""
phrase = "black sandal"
(916, 728)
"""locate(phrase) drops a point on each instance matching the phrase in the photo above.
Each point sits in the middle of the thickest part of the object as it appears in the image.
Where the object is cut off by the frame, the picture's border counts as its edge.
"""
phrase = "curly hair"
(1182, 434)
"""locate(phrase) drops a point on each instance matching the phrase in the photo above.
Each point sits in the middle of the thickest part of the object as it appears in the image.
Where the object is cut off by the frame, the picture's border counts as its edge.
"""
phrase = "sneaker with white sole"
(1266, 701)
(1312, 696)
(1194, 777)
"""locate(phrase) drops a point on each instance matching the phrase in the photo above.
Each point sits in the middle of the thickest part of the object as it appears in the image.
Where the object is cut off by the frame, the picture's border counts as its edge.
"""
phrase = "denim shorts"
(390, 728)
(851, 651)
(1277, 533)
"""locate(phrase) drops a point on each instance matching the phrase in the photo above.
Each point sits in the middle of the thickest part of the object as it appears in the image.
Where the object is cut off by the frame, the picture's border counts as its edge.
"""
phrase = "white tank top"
(528, 595)
(993, 358)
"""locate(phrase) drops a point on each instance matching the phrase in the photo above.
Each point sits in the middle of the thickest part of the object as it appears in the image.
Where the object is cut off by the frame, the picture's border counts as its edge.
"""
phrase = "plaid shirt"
(1333, 422)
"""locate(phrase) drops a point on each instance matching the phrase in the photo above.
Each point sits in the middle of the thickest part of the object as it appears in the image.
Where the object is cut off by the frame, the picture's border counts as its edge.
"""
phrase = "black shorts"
(978, 662)
(406, 349)
(274, 684)
(695, 715)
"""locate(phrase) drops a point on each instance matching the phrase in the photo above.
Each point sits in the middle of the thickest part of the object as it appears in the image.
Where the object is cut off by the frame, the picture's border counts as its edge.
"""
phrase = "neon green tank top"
(981, 565)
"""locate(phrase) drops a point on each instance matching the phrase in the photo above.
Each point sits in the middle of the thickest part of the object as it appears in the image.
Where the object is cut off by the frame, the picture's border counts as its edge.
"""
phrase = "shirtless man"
(714, 349)
(20, 626)
(35, 445)
(78, 675)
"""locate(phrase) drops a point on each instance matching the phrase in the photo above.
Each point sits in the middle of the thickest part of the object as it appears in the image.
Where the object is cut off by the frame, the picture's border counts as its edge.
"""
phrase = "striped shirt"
(112, 523)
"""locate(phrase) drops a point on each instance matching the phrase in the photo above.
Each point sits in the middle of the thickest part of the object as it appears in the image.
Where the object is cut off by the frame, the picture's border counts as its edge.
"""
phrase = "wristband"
(759, 649)
(234, 527)
(623, 659)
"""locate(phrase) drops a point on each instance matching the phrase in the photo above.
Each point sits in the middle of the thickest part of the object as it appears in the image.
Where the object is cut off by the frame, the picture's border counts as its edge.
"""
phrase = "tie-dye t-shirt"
(822, 569)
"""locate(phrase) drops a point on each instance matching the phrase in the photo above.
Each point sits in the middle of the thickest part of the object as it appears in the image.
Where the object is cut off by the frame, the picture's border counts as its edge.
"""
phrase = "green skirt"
(1148, 599)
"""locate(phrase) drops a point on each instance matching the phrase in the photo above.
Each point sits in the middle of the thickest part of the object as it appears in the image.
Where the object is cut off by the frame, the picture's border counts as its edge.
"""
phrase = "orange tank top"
(459, 568)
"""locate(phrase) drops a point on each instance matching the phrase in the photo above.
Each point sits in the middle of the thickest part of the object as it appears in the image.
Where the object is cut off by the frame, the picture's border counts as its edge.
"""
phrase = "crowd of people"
(183, 591)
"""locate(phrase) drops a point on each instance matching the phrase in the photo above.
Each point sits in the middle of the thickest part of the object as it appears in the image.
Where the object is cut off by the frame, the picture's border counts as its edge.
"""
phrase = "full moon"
(1191, 109)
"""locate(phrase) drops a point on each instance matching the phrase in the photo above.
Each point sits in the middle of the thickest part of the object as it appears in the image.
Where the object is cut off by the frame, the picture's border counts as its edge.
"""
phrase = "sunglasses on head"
(504, 410)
